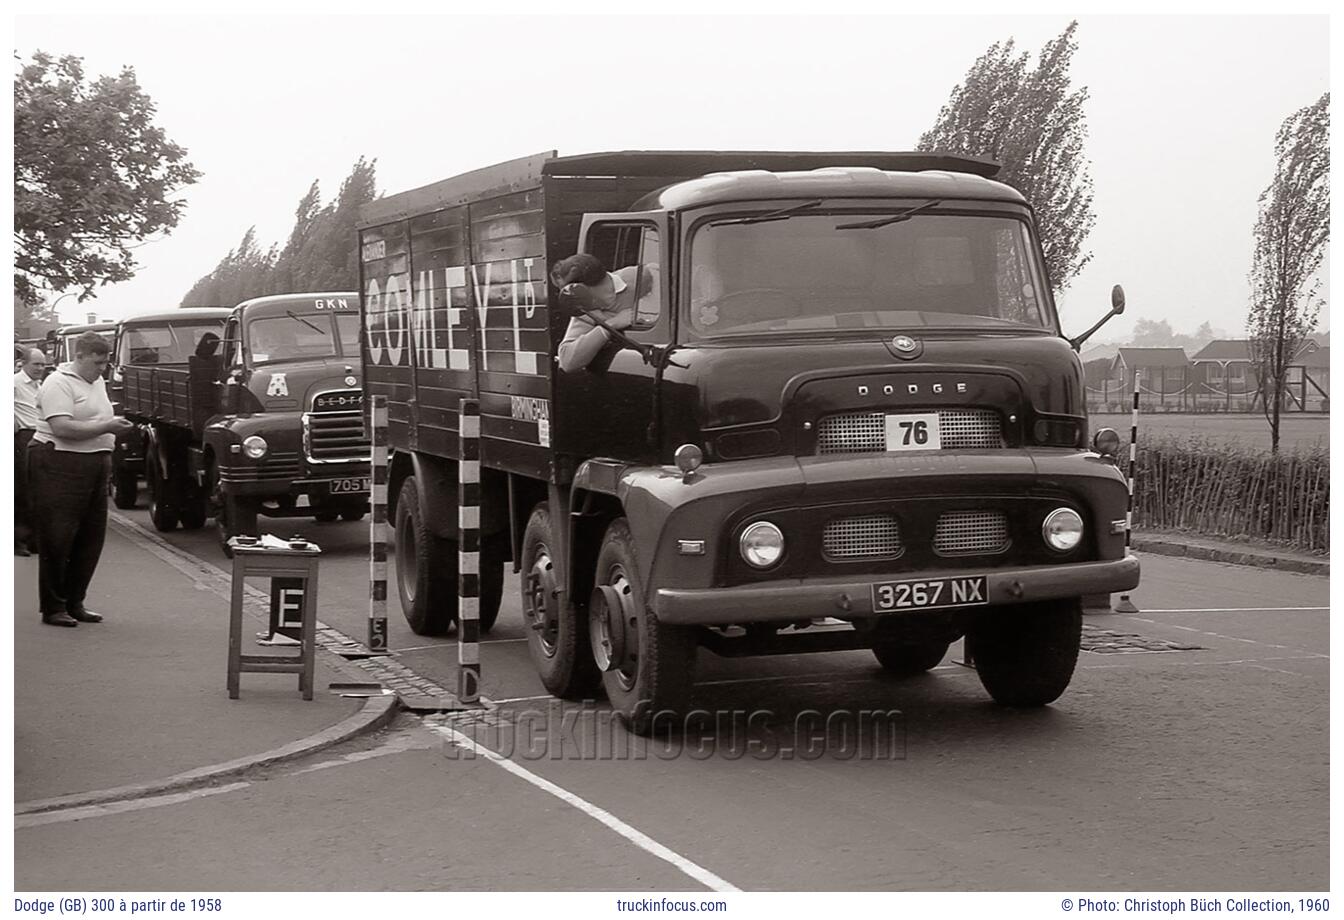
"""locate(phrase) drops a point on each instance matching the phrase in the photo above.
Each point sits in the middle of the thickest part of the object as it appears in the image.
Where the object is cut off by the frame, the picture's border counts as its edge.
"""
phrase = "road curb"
(377, 712)
(1257, 559)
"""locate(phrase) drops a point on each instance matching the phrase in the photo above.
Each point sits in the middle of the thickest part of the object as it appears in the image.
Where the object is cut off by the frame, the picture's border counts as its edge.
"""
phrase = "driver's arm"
(581, 344)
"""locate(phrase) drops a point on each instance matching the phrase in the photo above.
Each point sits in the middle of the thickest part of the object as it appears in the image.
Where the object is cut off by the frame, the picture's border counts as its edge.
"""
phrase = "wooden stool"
(272, 558)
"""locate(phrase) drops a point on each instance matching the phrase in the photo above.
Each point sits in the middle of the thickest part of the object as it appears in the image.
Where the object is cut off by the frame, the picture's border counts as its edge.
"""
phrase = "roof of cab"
(301, 298)
(181, 314)
(828, 182)
(76, 328)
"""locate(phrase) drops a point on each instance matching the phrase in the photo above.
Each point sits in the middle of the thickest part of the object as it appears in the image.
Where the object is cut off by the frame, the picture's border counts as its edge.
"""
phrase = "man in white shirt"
(26, 384)
(69, 461)
(612, 297)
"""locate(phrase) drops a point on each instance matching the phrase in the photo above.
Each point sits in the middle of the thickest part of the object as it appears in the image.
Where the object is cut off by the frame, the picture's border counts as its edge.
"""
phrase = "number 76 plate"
(964, 591)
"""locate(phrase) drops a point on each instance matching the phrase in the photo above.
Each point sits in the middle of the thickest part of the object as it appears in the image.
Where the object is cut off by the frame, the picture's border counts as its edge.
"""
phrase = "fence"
(1214, 489)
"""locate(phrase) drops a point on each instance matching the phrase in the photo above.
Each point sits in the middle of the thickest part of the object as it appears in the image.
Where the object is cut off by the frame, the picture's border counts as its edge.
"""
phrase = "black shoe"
(59, 619)
(86, 616)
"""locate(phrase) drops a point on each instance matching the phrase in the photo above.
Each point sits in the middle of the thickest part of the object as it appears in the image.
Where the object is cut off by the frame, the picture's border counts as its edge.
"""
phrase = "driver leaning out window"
(603, 295)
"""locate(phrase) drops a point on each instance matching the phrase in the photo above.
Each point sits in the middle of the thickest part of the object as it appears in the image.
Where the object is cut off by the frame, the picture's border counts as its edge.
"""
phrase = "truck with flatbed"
(265, 419)
(842, 414)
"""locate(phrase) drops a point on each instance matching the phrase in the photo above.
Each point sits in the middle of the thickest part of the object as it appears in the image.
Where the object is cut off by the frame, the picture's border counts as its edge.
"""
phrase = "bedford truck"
(265, 421)
(845, 416)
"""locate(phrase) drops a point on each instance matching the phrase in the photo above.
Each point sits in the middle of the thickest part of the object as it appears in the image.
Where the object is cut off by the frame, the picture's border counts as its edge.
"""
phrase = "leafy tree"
(1291, 232)
(1032, 122)
(93, 175)
(319, 255)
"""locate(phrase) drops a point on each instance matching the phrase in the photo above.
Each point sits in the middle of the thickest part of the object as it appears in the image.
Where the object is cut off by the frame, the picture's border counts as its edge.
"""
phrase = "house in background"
(1165, 379)
(1229, 378)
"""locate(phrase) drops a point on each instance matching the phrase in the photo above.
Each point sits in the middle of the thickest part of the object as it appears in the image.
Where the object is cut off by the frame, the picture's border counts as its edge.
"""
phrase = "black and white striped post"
(469, 554)
(377, 640)
(1125, 605)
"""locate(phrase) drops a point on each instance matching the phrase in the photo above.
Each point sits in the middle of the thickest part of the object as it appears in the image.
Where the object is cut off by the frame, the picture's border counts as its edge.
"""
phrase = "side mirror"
(1117, 307)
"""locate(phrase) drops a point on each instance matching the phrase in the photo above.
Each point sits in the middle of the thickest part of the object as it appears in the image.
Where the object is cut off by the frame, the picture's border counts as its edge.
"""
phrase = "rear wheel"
(353, 514)
(906, 659)
(557, 638)
(326, 517)
(426, 568)
(125, 486)
(1025, 654)
(647, 666)
(161, 511)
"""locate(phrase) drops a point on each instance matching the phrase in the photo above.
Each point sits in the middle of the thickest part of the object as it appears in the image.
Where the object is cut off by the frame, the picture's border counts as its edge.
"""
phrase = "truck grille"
(866, 432)
(335, 436)
(962, 533)
(870, 536)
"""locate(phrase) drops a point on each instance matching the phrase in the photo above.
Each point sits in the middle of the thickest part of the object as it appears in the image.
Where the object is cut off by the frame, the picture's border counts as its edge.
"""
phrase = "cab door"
(610, 408)
(233, 380)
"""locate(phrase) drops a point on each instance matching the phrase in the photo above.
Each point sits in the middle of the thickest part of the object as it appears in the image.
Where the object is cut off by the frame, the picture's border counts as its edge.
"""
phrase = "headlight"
(255, 447)
(762, 544)
(1063, 529)
(1106, 442)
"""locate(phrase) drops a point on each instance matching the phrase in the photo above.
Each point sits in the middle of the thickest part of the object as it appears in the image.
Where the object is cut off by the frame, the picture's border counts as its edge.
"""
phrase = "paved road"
(1196, 769)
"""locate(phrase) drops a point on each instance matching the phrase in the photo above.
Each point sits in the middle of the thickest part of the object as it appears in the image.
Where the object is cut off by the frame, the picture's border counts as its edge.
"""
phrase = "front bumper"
(805, 598)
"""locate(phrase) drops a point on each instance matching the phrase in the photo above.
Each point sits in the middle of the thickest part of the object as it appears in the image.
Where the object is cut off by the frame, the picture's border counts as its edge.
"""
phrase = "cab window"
(620, 246)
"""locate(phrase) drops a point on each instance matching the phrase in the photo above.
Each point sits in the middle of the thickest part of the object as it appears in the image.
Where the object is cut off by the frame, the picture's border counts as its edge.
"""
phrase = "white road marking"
(1250, 661)
(1205, 632)
(523, 699)
(452, 644)
(116, 808)
(1224, 609)
(638, 838)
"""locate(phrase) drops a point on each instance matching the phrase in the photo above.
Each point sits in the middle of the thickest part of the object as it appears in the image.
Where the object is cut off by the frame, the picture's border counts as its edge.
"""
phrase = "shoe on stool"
(59, 619)
(86, 616)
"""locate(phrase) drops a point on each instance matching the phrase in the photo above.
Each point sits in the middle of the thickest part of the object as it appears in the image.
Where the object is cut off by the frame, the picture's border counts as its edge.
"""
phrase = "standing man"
(27, 381)
(69, 459)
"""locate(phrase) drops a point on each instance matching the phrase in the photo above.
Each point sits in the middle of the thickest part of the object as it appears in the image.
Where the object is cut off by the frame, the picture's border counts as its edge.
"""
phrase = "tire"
(353, 515)
(1025, 654)
(906, 659)
(194, 514)
(125, 488)
(426, 568)
(647, 666)
(232, 514)
(161, 511)
(557, 638)
(326, 517)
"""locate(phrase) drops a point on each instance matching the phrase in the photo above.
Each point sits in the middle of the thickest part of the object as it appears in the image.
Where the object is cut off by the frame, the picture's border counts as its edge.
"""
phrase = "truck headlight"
(255, 447)
(1063, 529)
(1106, 442)
(762, 544)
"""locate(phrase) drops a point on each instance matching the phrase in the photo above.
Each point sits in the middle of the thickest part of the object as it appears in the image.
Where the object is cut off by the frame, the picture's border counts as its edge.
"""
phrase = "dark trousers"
(24, 533)
(70, 507)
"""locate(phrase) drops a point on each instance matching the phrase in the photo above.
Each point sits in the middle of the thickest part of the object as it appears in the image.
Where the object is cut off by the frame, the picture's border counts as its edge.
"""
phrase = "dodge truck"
(843, 416)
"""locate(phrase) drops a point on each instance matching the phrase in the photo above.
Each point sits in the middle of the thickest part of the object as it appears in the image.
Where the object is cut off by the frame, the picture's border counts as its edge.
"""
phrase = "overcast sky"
(1182, 116)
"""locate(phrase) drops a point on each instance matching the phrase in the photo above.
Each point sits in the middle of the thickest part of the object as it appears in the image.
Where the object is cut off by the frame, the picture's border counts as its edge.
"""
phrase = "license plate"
(350, 486)
(914, 431)
(966, 591)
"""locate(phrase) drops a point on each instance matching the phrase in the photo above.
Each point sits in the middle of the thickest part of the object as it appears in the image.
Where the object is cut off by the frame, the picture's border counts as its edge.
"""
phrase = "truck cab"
(286, 419)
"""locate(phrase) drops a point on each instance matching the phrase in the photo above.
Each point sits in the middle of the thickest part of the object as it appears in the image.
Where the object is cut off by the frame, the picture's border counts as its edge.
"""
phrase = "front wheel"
(647, 666)
(557, 638)
(906, 659)
(1025, 654)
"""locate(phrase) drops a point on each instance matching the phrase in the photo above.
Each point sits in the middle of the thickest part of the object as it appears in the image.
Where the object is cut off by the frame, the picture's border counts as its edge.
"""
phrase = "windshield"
(895, 270)
(293, 335)
(163, 344)
(67, 350)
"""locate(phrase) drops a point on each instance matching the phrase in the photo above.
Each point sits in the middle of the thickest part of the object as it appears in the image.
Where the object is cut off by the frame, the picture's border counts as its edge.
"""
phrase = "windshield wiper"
(781, 214)
(297, 318)
(893, 219)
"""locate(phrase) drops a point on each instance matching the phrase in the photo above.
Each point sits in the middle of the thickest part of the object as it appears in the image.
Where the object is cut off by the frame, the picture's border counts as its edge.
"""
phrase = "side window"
(233, 353)
(621, 246)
